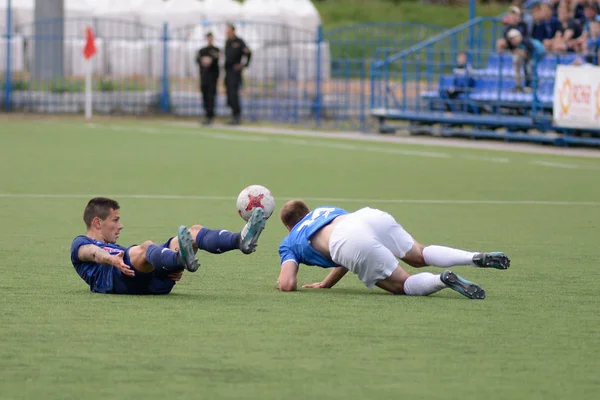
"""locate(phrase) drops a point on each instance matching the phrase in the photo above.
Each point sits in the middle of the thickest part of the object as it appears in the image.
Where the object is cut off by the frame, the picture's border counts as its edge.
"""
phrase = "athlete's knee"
(414, 257)
(144, 246)
(194, 229)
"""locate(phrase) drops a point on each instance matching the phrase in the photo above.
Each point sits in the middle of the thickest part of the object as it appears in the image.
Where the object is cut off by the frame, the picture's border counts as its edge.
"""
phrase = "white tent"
(3, 13)
(265, 20)
(23, 15)
(128, 58)
(222, 10)
(78, 16)
(181, 15)
(302, 17)
(118, 19)
(17, 56)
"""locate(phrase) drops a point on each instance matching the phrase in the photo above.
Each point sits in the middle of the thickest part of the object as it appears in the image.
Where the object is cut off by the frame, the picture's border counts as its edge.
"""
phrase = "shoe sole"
(186, 249)
(257, 224)
(496, 260)
(463, 286)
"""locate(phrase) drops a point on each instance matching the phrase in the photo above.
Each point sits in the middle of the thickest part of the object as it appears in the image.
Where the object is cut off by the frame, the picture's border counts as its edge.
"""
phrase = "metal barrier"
(490, 99)
(296, 76)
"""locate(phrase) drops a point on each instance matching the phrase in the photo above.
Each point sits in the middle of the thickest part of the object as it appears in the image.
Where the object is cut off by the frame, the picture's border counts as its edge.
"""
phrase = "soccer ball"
(255, 196)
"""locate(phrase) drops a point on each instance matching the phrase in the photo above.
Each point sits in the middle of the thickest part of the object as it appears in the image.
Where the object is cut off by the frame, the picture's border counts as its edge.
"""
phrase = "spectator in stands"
(208, 60)
(575, 7)
(545, 24)
(555, 4)
(511, 21)
(462, 83)
(593, 43)
(235, 51)
(567, 37)
(591, 14)
(527, 53)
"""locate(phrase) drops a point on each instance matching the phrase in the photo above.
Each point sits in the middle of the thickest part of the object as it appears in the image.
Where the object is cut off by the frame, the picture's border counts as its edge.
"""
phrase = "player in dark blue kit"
(148, 268)
(369, 242)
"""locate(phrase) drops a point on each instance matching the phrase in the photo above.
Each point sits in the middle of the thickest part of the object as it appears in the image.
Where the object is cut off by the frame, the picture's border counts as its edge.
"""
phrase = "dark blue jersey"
(98, 276)
(296, 246)
(108, 279)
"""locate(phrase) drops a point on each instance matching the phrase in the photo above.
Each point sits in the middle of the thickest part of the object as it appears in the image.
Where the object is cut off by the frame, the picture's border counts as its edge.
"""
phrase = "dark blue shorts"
(142, 282)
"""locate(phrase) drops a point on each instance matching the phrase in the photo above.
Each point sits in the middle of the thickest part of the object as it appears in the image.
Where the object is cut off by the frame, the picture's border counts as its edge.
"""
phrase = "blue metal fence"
(313, 78)
(421, 86)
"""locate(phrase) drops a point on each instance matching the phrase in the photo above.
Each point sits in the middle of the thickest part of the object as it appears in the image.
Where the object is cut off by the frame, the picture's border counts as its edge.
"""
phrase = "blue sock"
(217, 242)
(162, 258)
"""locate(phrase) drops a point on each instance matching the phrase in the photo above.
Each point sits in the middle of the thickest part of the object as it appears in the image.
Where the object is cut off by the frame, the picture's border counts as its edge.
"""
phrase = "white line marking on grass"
(563, 165)
(319, 199)
(489, 159)
(251, 138)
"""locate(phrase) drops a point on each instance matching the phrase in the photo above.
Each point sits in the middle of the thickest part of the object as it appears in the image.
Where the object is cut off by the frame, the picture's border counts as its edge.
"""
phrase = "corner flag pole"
(88, 52)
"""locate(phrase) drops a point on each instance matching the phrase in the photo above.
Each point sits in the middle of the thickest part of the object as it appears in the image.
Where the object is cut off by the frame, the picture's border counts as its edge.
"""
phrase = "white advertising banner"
(577, 97)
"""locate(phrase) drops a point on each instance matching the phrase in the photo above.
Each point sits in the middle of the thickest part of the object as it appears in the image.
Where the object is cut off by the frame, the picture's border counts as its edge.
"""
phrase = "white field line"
(342, 146)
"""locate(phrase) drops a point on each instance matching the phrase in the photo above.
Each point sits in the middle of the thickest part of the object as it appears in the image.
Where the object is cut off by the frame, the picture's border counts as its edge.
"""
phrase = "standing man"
(235, 50)
(208, 60)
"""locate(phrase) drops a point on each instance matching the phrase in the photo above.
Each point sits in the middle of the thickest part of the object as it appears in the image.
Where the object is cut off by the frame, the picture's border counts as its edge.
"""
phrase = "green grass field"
(226, 332)
(336, 13)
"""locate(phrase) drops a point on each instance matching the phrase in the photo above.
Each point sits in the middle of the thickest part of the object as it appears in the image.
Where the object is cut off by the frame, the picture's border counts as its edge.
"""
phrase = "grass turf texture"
(336, 13)
(225, 332)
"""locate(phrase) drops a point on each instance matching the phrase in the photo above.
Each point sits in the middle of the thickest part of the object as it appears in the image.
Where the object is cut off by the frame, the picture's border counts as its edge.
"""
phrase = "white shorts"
(369, 242)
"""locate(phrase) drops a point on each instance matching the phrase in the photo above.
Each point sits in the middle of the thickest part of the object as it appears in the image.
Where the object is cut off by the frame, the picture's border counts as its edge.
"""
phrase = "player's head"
(590, 11)
(514, 15)
(230, 31)
(102, 216)
(564, 14)
(209, 38)
(461, 58)
(292, 212)
(515, 37)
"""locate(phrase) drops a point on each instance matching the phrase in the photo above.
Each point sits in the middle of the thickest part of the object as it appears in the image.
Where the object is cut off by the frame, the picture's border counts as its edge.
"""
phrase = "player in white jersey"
(369, 243)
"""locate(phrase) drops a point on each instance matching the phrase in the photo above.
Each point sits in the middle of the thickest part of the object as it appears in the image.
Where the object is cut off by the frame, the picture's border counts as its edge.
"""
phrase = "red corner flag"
(90, 46)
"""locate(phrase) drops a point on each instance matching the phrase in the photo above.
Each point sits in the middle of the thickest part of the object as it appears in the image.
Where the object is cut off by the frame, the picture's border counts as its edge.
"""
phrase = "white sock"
(444, 257)
(423, 284)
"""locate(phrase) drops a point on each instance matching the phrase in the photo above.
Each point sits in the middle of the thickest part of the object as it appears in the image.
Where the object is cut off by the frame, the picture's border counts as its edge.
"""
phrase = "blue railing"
(420, 85)
(316, 78)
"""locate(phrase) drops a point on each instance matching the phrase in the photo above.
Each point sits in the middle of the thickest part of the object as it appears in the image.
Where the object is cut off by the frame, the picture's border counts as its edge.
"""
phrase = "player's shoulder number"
(317, 213)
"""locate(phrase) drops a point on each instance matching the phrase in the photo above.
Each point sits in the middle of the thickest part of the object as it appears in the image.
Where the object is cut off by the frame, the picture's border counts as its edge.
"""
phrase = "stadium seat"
(565, 59)
(498, 64)
(547, 66)
(445, 82)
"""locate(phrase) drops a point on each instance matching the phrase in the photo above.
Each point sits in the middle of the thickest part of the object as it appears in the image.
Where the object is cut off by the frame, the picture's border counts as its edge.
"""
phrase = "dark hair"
(98, 207)
(209, 34)
(293, 211)
(230, 25)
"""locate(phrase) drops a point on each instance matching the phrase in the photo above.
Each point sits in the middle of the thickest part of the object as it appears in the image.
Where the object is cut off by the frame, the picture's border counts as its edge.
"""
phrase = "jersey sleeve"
(286, 253)
(77, 243)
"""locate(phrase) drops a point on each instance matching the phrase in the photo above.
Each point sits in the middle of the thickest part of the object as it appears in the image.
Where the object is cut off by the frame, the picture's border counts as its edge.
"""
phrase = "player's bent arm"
(93, 253)
(333, 277)
(288, 277)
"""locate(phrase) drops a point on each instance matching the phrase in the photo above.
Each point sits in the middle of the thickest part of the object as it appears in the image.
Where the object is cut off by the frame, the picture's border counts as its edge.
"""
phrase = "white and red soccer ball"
(255, 196)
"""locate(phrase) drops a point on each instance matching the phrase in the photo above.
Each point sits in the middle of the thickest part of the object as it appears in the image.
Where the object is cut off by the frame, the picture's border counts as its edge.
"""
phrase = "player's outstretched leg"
(222, 241)
(462, 286)
(149, 256)
(186, 253)
(426, 283)
(495, 259)
(252, 230)
(445, 257)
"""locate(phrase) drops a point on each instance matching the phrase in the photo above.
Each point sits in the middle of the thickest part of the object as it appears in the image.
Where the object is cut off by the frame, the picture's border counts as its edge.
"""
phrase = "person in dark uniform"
(235, 51)
(208, 60)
